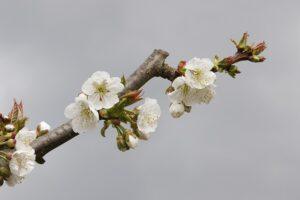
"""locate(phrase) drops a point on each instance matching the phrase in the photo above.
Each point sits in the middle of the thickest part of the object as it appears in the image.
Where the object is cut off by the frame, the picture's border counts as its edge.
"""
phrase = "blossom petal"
(109, 100)
(88, 87)
(72, 110)
(115, 85)
(94, 99)
(100, 76)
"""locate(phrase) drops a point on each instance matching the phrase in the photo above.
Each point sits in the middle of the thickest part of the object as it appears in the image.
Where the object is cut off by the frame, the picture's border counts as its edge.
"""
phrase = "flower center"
(150, 119)
(86, 112)
(197, 74)
(101, 88)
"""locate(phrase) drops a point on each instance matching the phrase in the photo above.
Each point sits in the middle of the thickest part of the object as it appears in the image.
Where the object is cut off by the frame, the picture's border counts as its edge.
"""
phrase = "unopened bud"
(176, 110)
(131, 140)
(259, 48)
(181, 66)
(9, 128)
(256, 58)
(43, 128)
(5, 172)
(133, 96)
(6, 119)
(145, 136)
(11, 143)
(121, 143)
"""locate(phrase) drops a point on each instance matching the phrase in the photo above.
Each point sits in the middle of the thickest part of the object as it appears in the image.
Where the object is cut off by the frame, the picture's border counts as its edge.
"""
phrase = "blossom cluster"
(196, 85)
(100, 100)
(17, 157)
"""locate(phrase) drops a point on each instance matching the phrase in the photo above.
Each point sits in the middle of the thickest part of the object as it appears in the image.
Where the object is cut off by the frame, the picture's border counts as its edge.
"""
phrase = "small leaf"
(20, 123)
(123, 80)
(106, 125)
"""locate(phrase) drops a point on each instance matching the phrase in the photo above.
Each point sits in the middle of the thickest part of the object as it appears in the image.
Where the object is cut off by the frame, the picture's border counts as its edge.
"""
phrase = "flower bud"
(11, 143)
(9, 128)
(1, 180)
(6, 119)
(132, 140)
(259, 48)
(256, 58)
(43, 128)
(176, 110)
(121, 142)
(144, 136)
(4, 172)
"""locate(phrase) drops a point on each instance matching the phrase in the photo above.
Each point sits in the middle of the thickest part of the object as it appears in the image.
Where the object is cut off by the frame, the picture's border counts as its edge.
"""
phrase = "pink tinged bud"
(180, 68)
(259, 48)
(134, 95)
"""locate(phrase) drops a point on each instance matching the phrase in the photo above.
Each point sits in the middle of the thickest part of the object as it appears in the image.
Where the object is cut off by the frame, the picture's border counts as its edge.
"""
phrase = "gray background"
(243, 146)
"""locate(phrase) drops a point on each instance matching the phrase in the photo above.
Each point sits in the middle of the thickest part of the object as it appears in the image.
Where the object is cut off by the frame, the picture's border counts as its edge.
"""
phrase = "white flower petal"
(88, 87)
(178, 82)
(22, 162)
(14, 180)
(24, 138)
(100, 75)
(109, 100)
(115, 85)
(95, 101)
(72, 110)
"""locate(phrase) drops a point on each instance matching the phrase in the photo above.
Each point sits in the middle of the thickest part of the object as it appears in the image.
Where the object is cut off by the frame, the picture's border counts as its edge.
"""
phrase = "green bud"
(5, 172)
(256, 58)
(11, 143)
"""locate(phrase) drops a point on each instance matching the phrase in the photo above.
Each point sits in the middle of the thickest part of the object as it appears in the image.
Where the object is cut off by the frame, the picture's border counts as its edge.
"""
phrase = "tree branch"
(153, 66)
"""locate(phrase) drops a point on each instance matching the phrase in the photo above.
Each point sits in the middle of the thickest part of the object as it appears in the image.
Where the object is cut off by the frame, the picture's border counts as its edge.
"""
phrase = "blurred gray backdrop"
(243, 146)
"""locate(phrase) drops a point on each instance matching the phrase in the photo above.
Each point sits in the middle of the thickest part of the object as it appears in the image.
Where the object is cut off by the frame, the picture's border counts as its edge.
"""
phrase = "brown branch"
(153, 66)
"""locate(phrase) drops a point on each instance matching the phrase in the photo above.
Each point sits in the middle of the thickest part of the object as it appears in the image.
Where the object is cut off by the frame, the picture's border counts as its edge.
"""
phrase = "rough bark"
(154, 66)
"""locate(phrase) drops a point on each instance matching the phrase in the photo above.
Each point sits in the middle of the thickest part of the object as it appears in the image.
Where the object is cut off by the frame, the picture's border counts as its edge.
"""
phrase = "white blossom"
(132, 141)
(198, 73)
(177, 109)
(14, 180)
(183, 93)
(24, 138)
(22, 162)
(149, 113)
(83, 114)
(102, 90)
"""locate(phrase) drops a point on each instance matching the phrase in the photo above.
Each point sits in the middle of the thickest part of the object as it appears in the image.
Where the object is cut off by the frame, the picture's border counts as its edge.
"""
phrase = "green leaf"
(123, 80)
